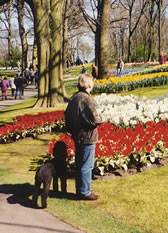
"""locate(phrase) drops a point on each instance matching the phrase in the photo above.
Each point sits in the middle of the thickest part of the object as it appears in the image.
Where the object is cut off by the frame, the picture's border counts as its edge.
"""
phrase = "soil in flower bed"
(119, 173)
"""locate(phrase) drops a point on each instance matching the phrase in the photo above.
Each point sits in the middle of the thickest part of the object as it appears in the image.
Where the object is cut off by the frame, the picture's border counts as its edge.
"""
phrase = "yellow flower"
(129, 78)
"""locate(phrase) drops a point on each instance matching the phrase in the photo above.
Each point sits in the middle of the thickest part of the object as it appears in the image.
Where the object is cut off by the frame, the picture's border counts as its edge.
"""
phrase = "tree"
(77, 29)
(48, 28)
(29, 19)
(99, 25)
(131, 7)
(7, 23)
(20, 9)
(92, 21)
(151, 15)
(16, 56)
(65, 33)
(103, 38)
(85, 50)
(159, 4)
(48, 31)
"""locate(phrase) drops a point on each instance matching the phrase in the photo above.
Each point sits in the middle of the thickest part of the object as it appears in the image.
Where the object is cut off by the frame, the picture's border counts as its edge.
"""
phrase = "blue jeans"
(20, 92)
(84, 160)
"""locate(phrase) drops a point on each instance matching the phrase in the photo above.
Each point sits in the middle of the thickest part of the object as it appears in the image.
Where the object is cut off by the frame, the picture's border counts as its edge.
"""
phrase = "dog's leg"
(44, 195)
(36, 192)
(63, 184)
(55, 184)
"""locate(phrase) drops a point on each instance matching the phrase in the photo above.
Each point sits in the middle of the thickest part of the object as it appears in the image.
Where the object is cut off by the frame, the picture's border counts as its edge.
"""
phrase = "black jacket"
(20, 82)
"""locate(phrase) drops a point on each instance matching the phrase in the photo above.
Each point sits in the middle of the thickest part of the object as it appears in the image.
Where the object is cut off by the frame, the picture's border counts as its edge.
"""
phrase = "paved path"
(29, 91)
(16, 215)
(16, 218)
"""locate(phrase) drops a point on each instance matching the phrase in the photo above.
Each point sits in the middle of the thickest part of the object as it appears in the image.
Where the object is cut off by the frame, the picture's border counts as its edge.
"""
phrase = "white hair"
(85, 80)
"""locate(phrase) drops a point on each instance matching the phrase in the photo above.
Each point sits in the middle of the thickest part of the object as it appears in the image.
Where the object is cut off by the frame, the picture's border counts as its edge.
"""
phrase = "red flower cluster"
(29, 121)
(114, 140)
(143, 137)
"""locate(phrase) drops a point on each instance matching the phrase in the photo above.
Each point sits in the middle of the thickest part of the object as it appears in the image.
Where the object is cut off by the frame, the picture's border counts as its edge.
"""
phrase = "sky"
(16, 39)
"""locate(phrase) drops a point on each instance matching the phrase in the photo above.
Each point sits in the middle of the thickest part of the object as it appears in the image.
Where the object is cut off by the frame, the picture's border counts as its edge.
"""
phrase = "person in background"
(94, 71)
(24, 83)
(18, 83)
(81, 121)
(67, 63)
(118, 66)
(27, 75)
(78, 61)
(83, 70)
(36, 77)
(5, 85)
(12, 85)
(121, 66)
(31, 76)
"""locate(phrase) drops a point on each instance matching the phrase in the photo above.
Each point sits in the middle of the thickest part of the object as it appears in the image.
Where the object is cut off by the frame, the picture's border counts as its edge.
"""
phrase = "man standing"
(121, 66)
(27, 75)
(118, 66)
(19, 86)
(36, 77)
(81, 120)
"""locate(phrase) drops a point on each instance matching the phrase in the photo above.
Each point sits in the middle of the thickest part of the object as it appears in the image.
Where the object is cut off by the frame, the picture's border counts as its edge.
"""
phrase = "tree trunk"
(150, 44)
(129, 35)
(9, 35)
(57, 91)
(152, 17)
(20, 9)
(159, 27)
(97, 35)
(42, 34)
(48, 30)
(49, 42)
(104, 18)
(65, 34)
(122, 42)
(34, 55)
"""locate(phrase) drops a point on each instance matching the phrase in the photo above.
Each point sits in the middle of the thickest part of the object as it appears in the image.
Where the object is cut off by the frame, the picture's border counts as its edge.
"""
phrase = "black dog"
(55, 168)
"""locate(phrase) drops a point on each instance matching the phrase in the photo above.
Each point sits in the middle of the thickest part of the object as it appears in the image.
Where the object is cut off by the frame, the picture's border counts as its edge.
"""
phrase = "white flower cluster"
(128, 110)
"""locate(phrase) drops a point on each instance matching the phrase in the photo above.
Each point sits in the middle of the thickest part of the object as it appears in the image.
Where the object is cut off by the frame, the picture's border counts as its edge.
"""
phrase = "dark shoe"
(91, 197)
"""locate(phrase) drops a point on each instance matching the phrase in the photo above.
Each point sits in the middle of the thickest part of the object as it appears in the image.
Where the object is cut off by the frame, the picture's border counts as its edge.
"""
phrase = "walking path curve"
(29, 91)
(18, 218)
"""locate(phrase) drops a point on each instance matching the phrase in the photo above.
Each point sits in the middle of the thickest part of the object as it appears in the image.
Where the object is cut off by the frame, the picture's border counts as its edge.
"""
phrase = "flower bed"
(32, 125)
(124, 72)
(127, 111)
(128, 83)
(124, 148)
(136, 133)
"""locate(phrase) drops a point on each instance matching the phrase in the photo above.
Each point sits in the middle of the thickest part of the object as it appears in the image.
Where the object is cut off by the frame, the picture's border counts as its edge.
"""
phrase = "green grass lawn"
(132, 204)
(15, 163)
(149, 92)
(138, 203)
